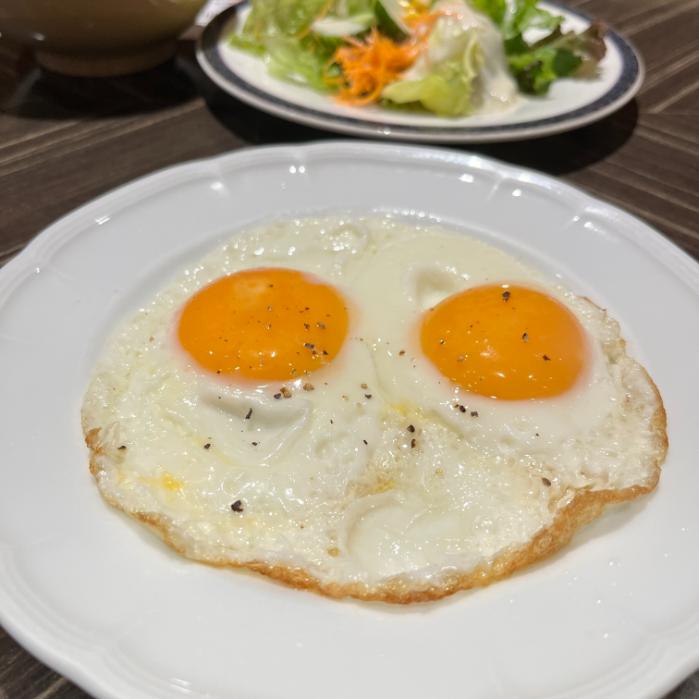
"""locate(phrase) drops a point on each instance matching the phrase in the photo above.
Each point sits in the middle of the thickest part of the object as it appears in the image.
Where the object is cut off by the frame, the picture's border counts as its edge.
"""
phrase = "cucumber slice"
(389, 14)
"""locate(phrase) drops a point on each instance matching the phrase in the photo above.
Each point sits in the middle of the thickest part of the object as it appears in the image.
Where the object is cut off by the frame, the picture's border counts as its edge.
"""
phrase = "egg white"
(372, 476)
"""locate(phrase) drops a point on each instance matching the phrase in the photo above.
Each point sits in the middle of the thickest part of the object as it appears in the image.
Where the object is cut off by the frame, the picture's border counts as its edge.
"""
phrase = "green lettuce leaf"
(447, 89)
(495, 9)
(348, 8)
(389, 19)
(303, 61)
(525, 15)
(278, 30)
(558, 55)
(445, 93)
(535, 65)
(285, 17)
(245, 44)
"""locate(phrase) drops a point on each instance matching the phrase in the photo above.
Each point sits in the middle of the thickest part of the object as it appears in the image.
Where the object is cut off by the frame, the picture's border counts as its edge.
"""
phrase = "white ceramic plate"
(90, 593)
(569, 104)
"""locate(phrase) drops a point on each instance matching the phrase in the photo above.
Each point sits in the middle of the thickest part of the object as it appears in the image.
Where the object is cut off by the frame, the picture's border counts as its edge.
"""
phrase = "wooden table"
(64, 141)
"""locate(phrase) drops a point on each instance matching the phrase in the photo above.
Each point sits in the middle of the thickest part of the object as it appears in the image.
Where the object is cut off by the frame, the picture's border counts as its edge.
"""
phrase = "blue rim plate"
(570, 104)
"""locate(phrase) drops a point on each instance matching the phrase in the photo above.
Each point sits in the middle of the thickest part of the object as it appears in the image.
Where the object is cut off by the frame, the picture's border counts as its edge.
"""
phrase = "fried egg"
(369, 407)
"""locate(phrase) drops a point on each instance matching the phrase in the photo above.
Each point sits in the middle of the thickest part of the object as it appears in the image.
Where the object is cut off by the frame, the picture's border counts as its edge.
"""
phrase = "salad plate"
(282, 83)
(122, 616)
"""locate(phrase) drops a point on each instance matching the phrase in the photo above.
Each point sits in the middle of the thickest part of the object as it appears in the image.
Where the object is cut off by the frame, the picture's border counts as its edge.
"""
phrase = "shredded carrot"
(368, 66)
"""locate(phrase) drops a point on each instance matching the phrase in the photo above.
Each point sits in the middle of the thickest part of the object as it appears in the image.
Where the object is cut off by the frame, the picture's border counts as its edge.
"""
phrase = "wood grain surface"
(64, 141)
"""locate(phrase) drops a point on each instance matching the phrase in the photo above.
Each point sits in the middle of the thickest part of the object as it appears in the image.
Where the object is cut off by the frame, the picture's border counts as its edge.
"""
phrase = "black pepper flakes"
(254, 444)
(309, 345)
(249, 414)
(367, 395)
(365, 442)
(546, 358)
(413, 443)
(459, 407)
(474, 413)
(277, 396)
(207, 445)
(525, 336)
(237, 506)
(308, 386)
(411, 428)
(546, 482)
(122, 447)
(506, 295)
(401, 353)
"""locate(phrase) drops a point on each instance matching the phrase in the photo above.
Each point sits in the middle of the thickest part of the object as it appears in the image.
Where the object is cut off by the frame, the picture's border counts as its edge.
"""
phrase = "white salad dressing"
(495, 89)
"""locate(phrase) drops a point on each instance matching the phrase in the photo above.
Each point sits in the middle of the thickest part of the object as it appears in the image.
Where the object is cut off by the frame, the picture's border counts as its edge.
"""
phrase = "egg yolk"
(264, 324)
(505, 341)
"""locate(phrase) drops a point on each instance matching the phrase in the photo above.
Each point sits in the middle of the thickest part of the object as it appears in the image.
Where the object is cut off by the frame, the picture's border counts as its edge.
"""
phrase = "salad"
(448, 57)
